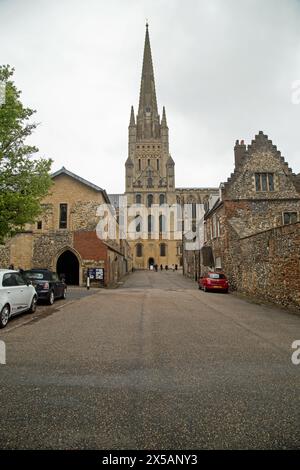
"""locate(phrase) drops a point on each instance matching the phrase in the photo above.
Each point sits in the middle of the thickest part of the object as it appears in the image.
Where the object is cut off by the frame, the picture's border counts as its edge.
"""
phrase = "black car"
(47, 284)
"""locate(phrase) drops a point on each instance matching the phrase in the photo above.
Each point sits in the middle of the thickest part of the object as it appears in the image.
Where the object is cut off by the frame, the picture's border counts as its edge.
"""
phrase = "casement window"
(290, 218)
(63, 215)
(139, 250)
(264, 182)
(163, 249)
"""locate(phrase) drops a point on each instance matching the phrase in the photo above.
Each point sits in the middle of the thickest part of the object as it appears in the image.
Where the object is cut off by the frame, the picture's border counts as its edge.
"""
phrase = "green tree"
(24, 180)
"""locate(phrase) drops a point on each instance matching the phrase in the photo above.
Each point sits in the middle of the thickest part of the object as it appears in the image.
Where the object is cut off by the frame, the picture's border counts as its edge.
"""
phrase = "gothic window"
(264, 181)
(163, 249)
(161, 199)
(137, 223)
(63, 215)
(150, 223)
(139, 164)
(149, 200)
(162, 223)
(148, 161)
(138, 199)
(139, 250)
(157, 165)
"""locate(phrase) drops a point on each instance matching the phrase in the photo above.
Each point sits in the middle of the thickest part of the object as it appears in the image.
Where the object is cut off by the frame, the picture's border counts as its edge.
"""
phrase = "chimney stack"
(239, 152)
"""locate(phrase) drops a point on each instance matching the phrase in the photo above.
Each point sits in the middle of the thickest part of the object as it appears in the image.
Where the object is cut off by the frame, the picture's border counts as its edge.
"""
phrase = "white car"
(16, 295)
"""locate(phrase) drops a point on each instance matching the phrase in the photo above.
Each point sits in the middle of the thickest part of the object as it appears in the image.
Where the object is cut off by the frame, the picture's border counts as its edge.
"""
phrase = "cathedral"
(150, 179)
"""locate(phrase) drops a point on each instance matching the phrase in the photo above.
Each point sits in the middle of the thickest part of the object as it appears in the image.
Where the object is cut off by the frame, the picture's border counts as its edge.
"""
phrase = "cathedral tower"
(149, 169)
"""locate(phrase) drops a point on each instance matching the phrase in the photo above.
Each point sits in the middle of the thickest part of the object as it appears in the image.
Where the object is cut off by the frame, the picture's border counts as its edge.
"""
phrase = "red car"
(214, 281)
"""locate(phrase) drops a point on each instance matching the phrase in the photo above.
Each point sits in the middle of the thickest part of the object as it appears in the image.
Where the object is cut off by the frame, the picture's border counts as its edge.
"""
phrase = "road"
(154, 364)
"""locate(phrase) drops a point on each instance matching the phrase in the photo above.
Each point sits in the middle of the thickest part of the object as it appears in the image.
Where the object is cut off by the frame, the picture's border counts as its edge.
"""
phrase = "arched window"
(138, 223)
(139, 250)
(162, 199)
(149, 200)
(150, 223)
(163, 249)
(138, 199)
(162, 223)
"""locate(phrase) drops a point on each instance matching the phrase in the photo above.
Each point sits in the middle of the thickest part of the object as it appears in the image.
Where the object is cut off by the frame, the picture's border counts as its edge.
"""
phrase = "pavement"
(154, 364)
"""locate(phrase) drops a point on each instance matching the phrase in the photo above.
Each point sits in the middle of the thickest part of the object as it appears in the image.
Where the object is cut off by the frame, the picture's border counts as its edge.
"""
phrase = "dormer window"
(264, 182)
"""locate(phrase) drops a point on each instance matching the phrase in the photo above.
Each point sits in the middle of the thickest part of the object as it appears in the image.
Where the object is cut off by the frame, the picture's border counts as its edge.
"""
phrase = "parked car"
(17, 295)
(214, 282)
(48, 285)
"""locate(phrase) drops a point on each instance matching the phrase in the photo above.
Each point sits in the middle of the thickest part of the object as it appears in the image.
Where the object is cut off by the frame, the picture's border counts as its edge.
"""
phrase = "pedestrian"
(166, 267)
(155, 267)
(161, 267)
(173, 267)
(11, 266)
(176, 267)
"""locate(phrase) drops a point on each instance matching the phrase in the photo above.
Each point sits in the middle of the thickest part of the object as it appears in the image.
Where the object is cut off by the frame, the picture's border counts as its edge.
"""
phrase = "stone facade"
(254, 225)
(150, 174)
(43, 245)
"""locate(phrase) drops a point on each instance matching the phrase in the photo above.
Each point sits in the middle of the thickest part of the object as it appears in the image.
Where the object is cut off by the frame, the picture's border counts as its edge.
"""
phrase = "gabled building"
(64, 239)
(253, 229)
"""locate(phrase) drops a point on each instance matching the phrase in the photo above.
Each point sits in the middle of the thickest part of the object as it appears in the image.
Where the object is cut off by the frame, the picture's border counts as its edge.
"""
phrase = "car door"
(12, 291)
(56, 284)
(25, 292)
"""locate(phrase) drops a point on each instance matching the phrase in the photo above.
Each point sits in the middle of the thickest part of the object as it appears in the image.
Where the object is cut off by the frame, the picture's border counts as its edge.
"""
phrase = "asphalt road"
(154, 364)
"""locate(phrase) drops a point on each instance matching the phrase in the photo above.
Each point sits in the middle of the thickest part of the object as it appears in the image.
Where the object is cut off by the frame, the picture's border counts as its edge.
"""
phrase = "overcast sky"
(224, 69)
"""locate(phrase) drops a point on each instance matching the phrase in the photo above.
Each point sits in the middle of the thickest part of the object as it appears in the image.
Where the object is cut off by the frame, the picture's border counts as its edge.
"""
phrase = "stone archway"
(67, 266)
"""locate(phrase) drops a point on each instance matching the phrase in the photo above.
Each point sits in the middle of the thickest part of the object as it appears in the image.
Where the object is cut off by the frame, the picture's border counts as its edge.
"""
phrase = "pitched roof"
(64, 171)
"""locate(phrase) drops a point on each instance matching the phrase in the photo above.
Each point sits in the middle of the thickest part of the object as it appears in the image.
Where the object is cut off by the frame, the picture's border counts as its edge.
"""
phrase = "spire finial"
(147, 23)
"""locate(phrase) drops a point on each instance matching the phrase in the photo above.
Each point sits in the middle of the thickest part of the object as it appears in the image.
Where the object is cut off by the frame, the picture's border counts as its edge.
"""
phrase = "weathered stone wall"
(269, 265)
(4, 256)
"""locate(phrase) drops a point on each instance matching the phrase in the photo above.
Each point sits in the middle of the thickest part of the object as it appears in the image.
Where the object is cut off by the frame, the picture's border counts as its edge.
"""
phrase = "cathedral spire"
(132, 118)
(148, 101)
(164, 118)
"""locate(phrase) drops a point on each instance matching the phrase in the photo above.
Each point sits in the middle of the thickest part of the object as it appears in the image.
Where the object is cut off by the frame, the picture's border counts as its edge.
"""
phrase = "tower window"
(163, 249)
(149, 200)
(161, 199)
(63, 215)
(139, 250)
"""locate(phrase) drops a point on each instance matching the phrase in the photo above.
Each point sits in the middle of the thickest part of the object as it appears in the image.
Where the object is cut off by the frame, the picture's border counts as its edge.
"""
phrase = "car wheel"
(51, 298)
(4, 316)
(205, 289)
(199, 287)
(64, 296)
(33, 304)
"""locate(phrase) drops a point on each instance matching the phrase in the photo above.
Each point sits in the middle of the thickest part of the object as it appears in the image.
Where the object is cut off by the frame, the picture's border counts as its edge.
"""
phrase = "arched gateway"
(68, 267)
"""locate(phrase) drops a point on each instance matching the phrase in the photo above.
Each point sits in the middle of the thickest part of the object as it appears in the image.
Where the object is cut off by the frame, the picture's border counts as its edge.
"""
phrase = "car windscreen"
(37, 275)
(216, 276)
